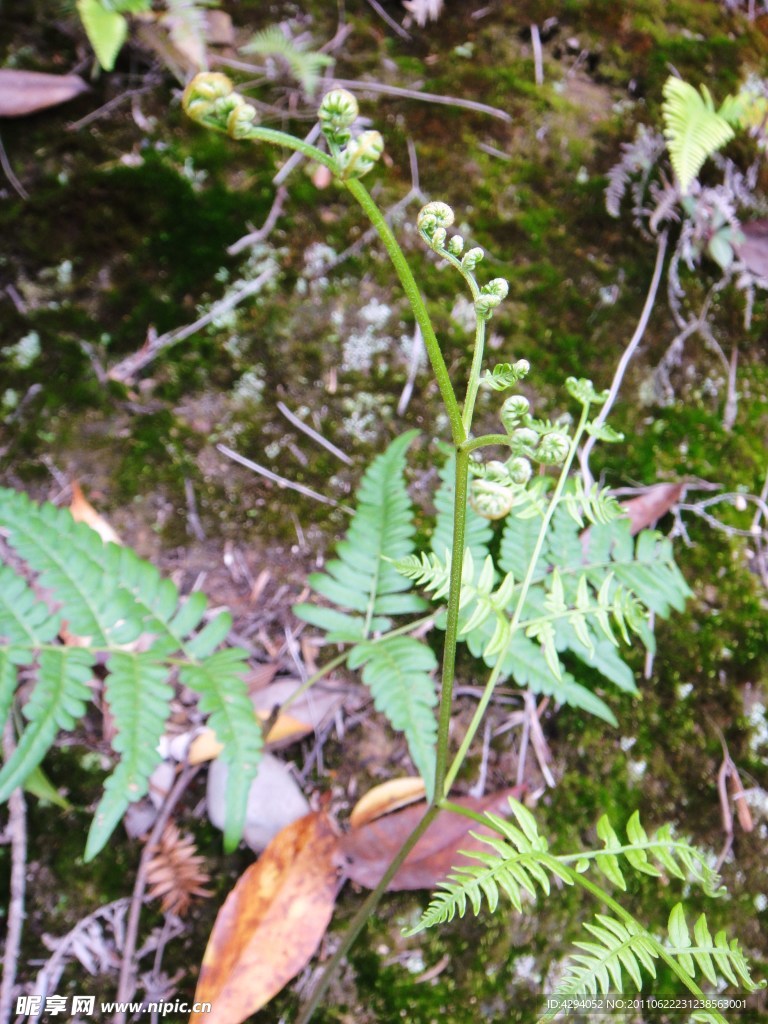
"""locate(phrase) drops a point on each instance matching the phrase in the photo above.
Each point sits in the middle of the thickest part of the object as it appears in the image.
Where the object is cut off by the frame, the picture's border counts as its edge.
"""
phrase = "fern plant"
(551, 587)
(122, 620)
(305, 66)
(519, 865)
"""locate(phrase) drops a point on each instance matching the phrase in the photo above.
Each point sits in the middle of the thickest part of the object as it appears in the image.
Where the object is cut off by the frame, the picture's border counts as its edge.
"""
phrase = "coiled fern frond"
(109, 599)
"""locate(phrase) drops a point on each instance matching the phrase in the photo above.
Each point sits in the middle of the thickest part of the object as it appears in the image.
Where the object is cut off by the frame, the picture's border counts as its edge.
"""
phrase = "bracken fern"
(120, 614)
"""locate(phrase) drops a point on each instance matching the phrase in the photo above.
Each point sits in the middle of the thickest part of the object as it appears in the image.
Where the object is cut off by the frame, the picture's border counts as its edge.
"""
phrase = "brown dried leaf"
(303, 716)
(389, 796)
(367, 851)
(25, 92)
(652, 505)
(271, 923)
(83, 512)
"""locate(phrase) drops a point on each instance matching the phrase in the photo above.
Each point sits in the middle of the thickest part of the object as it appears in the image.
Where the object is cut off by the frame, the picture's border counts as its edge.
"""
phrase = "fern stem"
(362, 917)
(278, 138)
(411, 289)
(521, 599)
(473, 382)
(461, 474)
(485, 441)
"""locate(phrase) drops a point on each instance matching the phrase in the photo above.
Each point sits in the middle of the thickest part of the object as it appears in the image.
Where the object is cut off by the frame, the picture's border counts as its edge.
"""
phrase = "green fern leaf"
(397, 672)
(139, 699)
(363, 580)
(694, 130)
(110, 598)
(224, 697)
(306, 66)
(58, 700)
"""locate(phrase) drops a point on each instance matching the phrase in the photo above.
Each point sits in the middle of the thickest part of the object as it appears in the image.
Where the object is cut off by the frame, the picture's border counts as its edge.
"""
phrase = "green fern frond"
(109, 598)
(397, 670)
(627, 947)
(306, 66)
(365, 585)
(520, 862)
(596, 504)
(362, 581)
(694, 130)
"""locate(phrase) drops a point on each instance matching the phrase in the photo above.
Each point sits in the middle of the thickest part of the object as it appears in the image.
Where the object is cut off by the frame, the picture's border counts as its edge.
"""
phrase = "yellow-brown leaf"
(271, 923)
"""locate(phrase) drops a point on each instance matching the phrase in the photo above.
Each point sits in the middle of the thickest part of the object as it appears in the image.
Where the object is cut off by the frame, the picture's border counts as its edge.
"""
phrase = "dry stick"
(626, 358)
(280, 480)
(48, 977)
(17, 827)
(10, 174)
(357, 85)
(390, 21)
(538, 60)
(414, 361)
(126, 370)
(292, 418)
(254, 237)
(110, 105)
(125, 985)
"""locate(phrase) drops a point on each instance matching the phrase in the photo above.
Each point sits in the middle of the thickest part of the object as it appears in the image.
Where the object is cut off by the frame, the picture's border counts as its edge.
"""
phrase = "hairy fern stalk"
(126, 622)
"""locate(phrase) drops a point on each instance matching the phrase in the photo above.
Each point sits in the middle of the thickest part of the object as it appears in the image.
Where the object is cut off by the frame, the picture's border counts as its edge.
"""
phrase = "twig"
(48, 977)
(538, 59)
(358, 85)
(126, 370)
(626, 357)
(110, 105)
(281, 481)
(10, 174)
(126, 982)
(254, 237)
(414, 361)
(479, 787)
(328, 445)
(193, 519)
(390, 21)
(17, 829)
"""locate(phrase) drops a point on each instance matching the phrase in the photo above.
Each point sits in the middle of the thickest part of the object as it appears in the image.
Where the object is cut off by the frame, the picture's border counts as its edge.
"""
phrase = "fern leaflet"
(109, 598)
(694, 130)
(366, 588)
(306, 66)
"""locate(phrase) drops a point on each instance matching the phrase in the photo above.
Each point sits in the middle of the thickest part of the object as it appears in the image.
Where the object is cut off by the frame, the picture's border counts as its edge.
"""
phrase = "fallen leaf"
(82, 511)
(652, 505)
(271, 923)
(25, 92)
(389, 796)
(304, 715)
(274, 800)
(367, 851)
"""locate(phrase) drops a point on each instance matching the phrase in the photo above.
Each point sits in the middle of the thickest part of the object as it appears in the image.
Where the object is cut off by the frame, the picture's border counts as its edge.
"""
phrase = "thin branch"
(10, 174)
(414, 361)
(126, 983)
(538, 60)
(390, 21)
(17, 829)
(328, 445)
(254, 237)
(357, 85)
(626, 357)
(281, 481)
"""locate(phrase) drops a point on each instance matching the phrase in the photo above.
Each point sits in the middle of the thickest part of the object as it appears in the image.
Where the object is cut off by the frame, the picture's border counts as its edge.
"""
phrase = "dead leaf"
(25, 92)
(219, 30)
(652, 505)
(368, 851)
(389, 796)
(271, 923)
(83, 512)
(274, 800)
(423, 10)
(304, 715)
